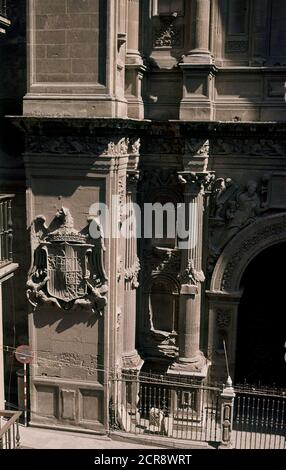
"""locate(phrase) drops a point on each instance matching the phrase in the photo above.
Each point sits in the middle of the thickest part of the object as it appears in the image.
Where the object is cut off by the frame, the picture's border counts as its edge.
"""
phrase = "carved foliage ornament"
(68, 265)
(168, 33)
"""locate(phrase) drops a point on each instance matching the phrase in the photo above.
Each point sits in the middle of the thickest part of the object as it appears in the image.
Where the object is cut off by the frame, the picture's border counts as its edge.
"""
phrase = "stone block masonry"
(67, 41)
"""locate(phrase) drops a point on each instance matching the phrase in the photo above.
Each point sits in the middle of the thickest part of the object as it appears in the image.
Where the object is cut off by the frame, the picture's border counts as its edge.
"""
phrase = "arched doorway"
(261, 328)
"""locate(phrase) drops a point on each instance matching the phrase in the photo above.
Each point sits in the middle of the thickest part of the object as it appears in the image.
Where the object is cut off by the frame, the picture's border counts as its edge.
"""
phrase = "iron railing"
(3, 8)
(166, 408)
(259, 418)
(9, 429)
(6, 230)
(241, 417)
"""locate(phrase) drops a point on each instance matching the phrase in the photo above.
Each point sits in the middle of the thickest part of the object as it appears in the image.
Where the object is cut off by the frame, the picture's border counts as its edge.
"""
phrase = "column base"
(196, 367)
(198, 56)
(132, 361)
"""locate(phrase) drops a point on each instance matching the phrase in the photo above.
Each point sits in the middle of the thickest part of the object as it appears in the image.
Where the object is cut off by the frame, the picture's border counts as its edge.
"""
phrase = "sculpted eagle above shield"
(67, 266)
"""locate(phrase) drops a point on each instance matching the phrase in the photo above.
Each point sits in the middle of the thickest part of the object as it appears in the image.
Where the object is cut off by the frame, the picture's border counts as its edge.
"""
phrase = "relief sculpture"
(68, 265)
(231, 209)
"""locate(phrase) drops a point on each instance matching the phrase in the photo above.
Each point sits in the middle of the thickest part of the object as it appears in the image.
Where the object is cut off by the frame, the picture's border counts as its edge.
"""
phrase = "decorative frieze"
(80, 145)
(248, 147)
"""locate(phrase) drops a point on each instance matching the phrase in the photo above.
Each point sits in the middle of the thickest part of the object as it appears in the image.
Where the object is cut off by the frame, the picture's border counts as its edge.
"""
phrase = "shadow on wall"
(66, 320)
(13, 53)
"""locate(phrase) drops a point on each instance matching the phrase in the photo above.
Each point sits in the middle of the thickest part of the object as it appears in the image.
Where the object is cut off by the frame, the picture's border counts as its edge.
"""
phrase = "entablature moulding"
(115, 137)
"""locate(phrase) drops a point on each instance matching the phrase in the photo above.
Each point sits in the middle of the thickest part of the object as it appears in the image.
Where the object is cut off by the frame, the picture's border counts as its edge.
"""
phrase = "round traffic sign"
(23, 354)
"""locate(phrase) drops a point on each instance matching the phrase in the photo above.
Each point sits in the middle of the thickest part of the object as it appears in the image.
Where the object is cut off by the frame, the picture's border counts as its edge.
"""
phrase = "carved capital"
(196, 183)
(190, 276)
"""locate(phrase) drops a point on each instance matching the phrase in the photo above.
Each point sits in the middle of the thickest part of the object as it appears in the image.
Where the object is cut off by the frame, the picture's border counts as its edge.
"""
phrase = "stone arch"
(243, 248)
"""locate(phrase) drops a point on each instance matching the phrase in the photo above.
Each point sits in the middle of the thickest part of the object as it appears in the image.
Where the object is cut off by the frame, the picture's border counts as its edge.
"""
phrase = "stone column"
(131, 359)
(198, 99)
(200, 33)
(259, 35)
(134, 64)
(191, 360)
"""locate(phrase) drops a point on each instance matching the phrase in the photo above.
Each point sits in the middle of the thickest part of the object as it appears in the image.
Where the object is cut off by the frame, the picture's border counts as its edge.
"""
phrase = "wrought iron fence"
(222, 416)
(259, 418)
(166, 408)
(9, 429)
(3, 8)
(6, 230)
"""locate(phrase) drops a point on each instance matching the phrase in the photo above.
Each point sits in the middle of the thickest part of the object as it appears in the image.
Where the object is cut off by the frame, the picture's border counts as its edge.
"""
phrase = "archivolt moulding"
(243, 248)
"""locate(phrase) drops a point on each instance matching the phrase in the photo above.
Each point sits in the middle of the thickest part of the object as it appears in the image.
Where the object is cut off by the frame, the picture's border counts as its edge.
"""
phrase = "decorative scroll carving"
(68, 265)
(86, 145)
(167, 33)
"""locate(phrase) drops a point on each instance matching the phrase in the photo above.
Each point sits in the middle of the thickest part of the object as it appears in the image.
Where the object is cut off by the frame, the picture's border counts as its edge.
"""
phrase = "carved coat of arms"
(68, 265)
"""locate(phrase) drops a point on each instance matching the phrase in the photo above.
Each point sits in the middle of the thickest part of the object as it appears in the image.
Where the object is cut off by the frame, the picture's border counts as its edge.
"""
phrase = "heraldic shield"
(68, 267)
(67, 271)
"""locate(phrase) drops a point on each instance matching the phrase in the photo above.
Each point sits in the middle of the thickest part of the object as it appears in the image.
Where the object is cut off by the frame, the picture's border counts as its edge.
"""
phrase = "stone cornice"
(175, 128)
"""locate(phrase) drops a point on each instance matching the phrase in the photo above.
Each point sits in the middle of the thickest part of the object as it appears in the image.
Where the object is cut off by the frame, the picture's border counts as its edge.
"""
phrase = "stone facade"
(154, 102)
